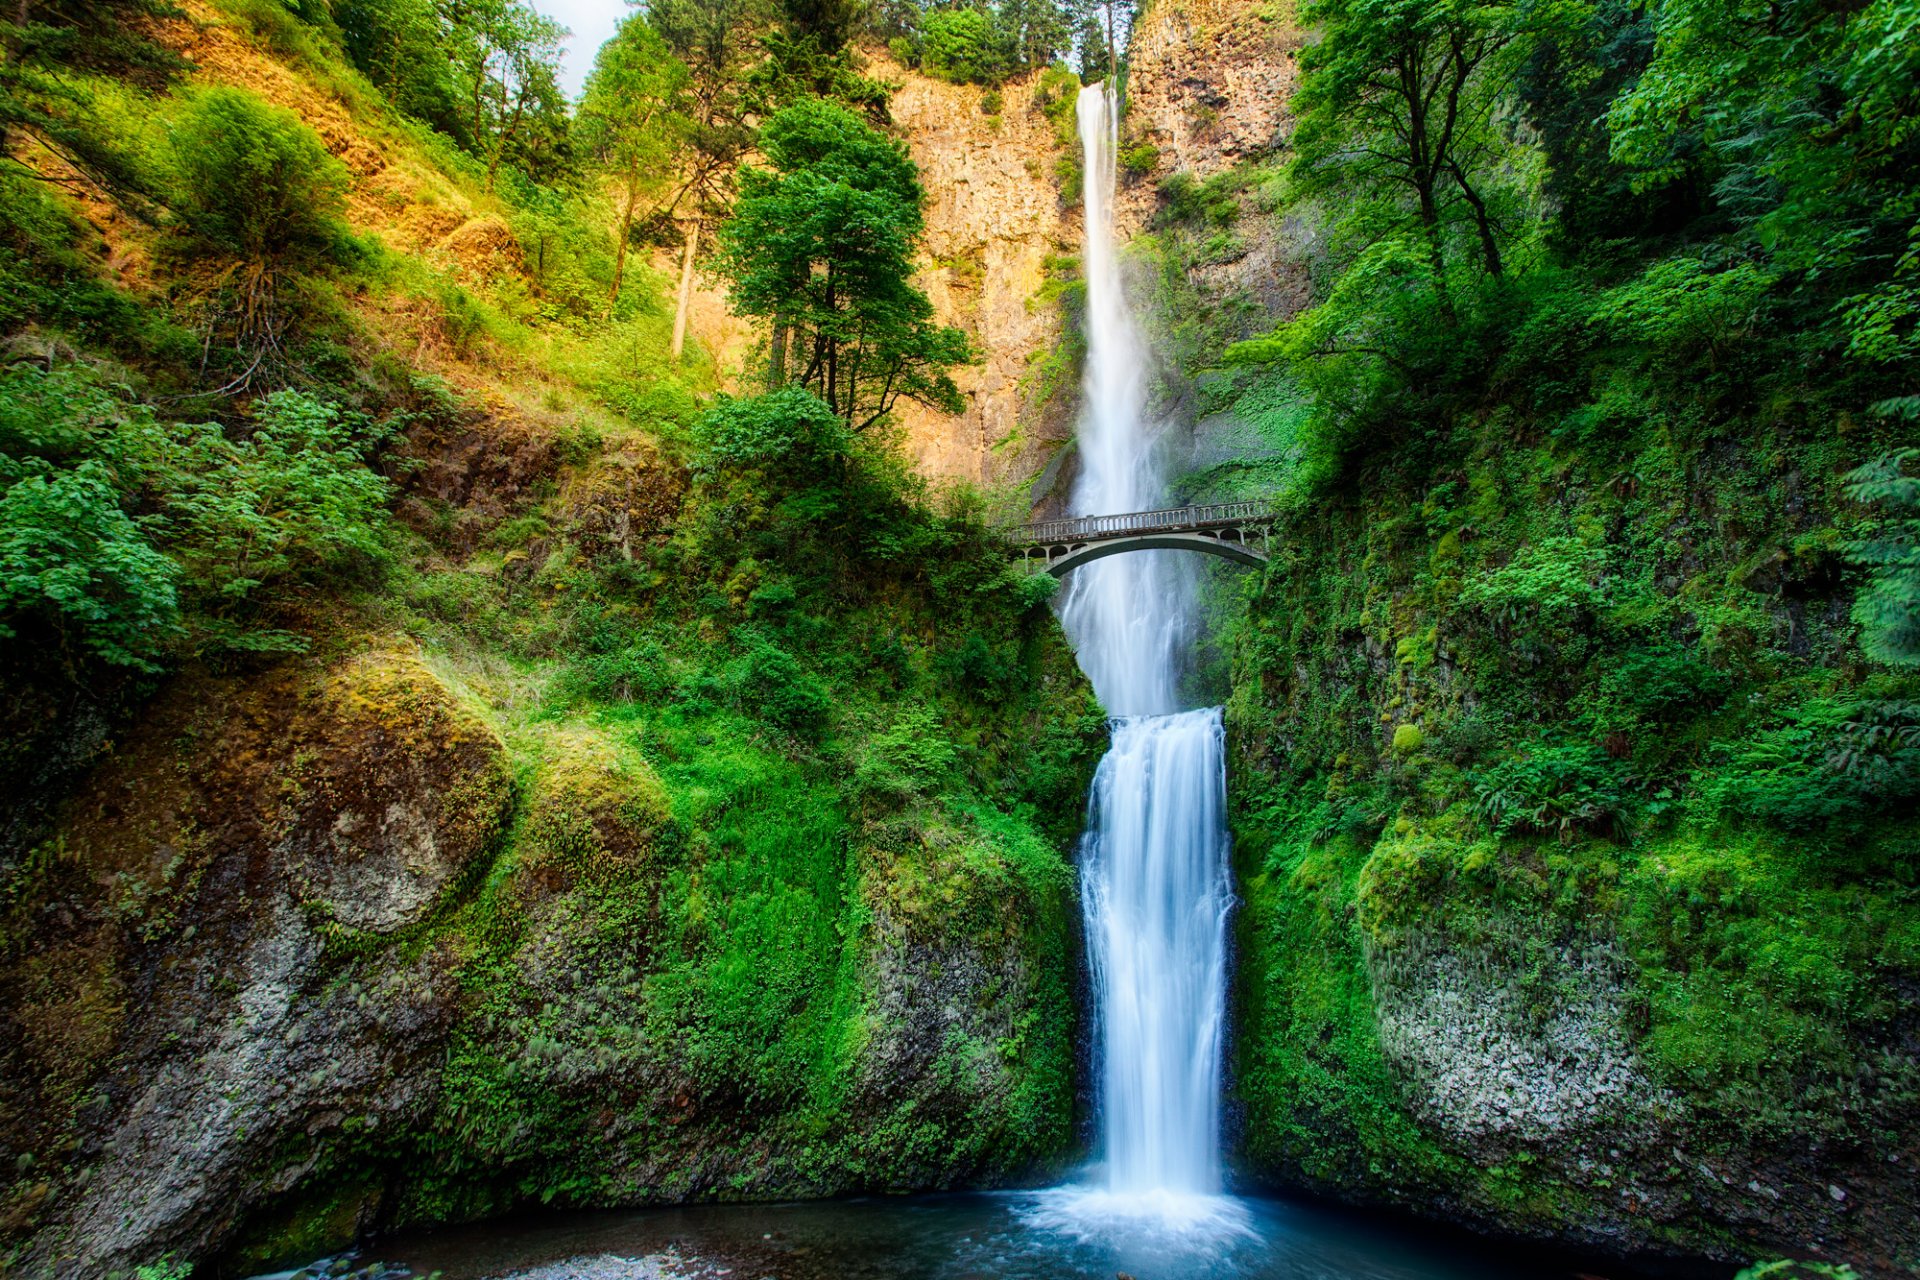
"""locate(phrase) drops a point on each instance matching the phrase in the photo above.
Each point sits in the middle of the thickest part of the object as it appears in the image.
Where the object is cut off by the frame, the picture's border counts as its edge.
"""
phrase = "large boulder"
(223, 968)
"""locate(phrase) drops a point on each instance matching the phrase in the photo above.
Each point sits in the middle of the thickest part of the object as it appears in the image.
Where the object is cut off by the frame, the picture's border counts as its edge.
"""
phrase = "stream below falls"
(998, 1236)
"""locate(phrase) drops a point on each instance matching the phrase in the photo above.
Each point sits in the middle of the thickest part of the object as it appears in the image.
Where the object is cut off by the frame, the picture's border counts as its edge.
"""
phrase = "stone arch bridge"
(1237, 531)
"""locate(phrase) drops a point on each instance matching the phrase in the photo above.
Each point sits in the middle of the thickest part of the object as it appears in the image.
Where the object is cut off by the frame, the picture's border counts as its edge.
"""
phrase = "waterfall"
(1154, 857)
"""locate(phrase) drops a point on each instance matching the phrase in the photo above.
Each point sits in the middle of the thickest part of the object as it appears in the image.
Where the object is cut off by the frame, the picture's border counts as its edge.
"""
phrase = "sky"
(592, 23)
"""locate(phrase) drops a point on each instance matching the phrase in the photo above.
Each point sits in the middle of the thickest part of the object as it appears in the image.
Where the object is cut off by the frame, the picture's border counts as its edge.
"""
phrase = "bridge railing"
(1165, 520)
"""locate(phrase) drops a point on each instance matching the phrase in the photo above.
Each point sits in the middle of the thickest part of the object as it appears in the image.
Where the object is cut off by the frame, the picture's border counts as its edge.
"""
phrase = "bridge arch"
(1063, 559)
(1225, 529)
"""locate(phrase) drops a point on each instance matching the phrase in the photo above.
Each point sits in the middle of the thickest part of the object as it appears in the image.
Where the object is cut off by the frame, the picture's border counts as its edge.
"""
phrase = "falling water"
(1153, 863)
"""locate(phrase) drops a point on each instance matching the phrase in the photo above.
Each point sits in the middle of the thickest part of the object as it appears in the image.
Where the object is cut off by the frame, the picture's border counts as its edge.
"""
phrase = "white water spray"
(1153, 862)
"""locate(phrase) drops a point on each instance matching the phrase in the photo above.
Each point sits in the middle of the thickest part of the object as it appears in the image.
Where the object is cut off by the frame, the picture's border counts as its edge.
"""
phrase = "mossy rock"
(595, 811)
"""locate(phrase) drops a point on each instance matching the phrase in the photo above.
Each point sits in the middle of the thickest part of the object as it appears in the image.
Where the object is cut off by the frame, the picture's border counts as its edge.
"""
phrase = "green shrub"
(1140, 158)
(70, 556)
(769, 683)
(1828, 763)
(254, 182)
(1790, 1269)
(1559, 788)
(1889, 608)
(910, 756)
(791, 431)
(958, 45)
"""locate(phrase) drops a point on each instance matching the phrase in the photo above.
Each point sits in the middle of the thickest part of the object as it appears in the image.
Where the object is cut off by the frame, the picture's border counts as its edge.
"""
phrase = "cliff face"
(1208, 88)
(994, 218)
(1490, 970)
(1208, 85)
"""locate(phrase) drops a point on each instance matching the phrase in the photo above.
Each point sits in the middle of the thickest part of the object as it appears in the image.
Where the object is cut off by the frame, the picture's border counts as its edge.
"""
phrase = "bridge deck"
(1220, 515)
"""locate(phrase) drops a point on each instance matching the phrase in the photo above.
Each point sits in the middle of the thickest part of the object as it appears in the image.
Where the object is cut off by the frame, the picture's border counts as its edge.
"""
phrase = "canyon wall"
(1592, 1020)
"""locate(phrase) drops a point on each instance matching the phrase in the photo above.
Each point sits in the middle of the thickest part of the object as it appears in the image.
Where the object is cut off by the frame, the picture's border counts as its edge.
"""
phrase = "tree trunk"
(1489, 247)
(686, 286)
(777, 355)
(626, 233)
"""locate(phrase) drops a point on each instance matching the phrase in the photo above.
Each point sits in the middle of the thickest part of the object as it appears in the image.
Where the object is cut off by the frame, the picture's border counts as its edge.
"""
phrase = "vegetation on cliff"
(1580, 692)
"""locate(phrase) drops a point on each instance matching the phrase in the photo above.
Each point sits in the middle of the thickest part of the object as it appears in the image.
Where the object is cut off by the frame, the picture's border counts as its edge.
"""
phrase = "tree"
(1398, 101)
(1805, 114)
(959, 45)
(718, 41)
(402, 46)
(256, 188)
(633, 116)
(506, 60)
(821, 244)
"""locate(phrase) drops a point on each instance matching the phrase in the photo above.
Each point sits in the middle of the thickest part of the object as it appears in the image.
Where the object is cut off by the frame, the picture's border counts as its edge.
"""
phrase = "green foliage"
(232, 523)
(1397, 104)
(822, 245)
(59, 57)
(958, 44)
(72, 557)
(984, 43)
(636, 117)
(1889, 608)
(484, 73)
(255, 183)
(1824, 190)
(789, 437)
(1558, 788)
(1788, 1269)
(165, 1269)
(289, 502)
(1826, 762)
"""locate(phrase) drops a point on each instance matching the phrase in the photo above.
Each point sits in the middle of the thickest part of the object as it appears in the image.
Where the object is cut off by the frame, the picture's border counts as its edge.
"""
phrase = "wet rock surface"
(1485, 1061)
(194, 1025)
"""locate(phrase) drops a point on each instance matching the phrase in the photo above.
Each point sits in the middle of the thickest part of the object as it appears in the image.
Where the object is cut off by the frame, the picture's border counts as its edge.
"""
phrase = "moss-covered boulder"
(213, 974)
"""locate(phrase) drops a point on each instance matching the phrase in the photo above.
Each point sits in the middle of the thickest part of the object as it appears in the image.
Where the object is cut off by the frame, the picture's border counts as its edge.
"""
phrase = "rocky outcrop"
(1208, 86)
(298, 965)
(1486, 1063)
(994, 218)
(198, 995)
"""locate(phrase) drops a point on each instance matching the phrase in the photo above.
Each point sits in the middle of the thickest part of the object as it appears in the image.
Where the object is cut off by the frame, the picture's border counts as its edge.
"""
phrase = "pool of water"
(1062, 1234)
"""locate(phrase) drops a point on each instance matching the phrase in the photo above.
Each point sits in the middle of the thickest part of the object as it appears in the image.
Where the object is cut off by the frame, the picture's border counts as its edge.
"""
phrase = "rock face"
(994, 218)
(1208, 85)
(300, 964)
(194, 1013)
(1482, 1063)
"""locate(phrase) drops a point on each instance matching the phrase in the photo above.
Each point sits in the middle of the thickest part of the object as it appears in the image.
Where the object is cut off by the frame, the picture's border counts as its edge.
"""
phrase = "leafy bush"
(290, 500)
(254, 182)
(791, 432)
(1549, 585)
(233, 521)
(769, 683)
(1790, 1269)
(71, 556)
(1140, 158)
(958, 44)
(1559, 788)
(911, 755)
(1827, 763)
(1889, 608)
